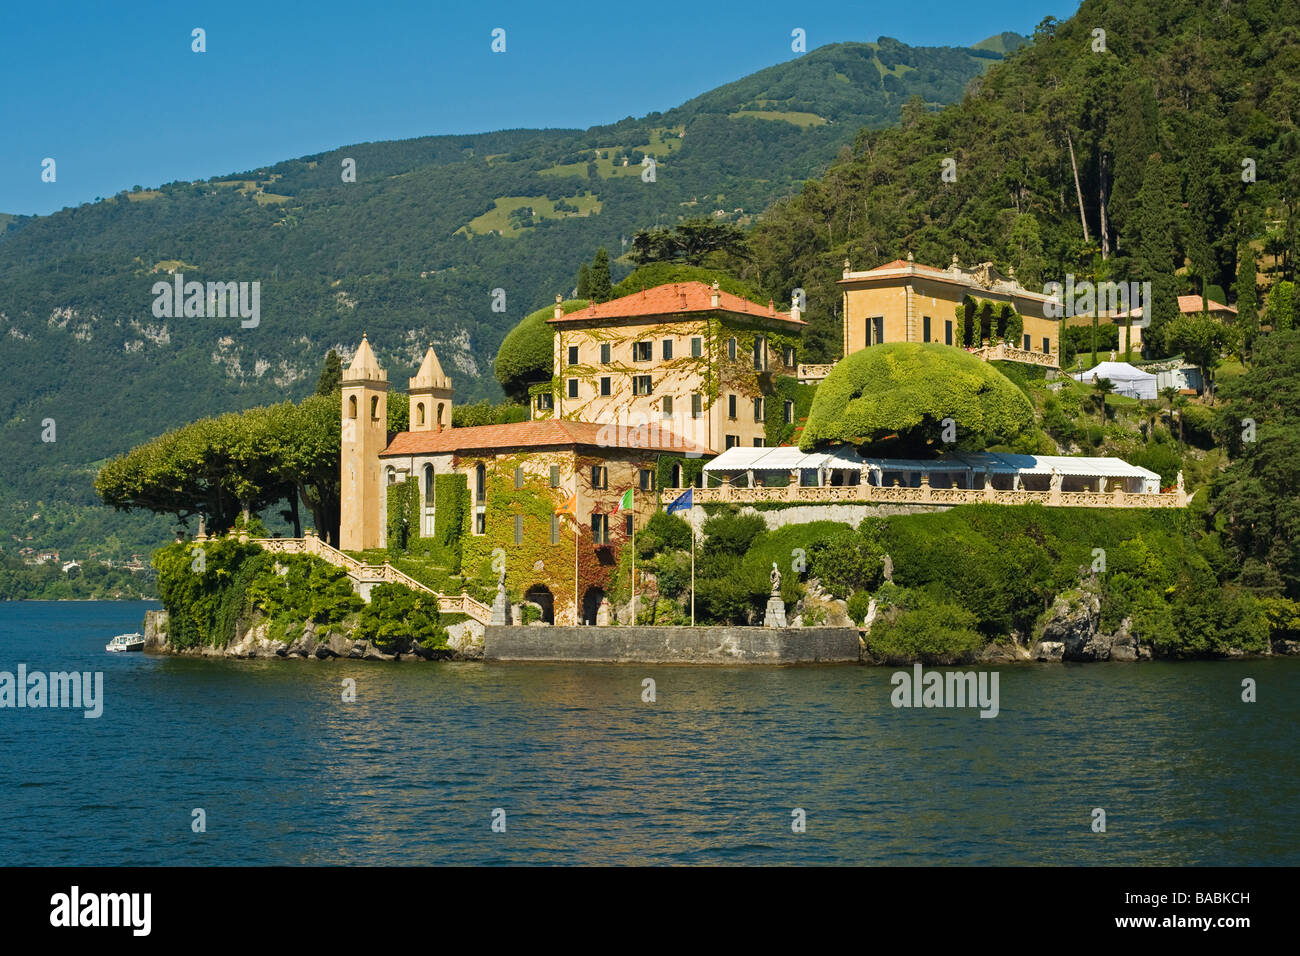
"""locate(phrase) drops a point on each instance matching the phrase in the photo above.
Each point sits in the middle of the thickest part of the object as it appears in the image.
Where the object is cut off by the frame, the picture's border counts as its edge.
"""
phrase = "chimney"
(558, 311)
(715, 299)
(771, 307)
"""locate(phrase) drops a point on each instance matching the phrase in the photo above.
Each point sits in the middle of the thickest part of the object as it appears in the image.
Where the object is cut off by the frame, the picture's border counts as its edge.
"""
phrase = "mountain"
(410, 252)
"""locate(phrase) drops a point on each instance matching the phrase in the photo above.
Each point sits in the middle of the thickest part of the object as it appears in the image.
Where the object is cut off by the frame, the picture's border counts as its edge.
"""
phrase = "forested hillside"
(1139, 140)
(410, 252)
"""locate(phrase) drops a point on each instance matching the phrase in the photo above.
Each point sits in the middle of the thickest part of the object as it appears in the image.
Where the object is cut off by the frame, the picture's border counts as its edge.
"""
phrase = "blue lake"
(287, 772)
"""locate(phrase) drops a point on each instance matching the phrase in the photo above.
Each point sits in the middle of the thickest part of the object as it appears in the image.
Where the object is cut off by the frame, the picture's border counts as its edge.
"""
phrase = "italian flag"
(624, 503)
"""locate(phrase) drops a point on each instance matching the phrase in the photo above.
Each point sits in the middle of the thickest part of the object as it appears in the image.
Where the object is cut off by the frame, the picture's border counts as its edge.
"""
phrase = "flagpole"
(692, 562)
(574, 516)
(632, 491)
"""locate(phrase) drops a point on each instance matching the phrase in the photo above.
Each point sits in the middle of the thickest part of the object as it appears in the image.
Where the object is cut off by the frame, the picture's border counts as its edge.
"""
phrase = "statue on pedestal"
(776, 579)
(775, 616)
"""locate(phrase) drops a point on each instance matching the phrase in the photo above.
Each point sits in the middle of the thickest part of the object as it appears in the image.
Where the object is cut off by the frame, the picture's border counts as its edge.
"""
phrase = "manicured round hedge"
(907, 389)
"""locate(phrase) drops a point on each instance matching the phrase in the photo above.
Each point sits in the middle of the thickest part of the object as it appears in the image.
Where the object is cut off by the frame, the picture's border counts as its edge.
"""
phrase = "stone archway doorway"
(591, 599)
(540, 595)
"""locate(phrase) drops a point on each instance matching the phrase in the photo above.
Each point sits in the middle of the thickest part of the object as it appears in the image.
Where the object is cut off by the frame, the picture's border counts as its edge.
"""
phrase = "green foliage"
(692, 242)
(94, 580)
(923, 628)
(398, 618)
(331, 374)
(403, 522)
(786, 388)
(847, 562)
(665, 273)
(485, 413)
(1282, 311)
(907, 389)
(205, 588)
(859, 604)
(598, 280)
(450, 507)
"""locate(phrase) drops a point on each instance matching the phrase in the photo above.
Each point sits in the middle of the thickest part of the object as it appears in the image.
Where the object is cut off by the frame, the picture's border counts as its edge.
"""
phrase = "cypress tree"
(1153, 258)
(1247, 298)
(1200, 214)
(331, 375)
(598, 284)
(584, 282)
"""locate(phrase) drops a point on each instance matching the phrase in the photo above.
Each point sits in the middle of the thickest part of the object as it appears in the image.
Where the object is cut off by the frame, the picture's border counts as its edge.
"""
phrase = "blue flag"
(683, 502)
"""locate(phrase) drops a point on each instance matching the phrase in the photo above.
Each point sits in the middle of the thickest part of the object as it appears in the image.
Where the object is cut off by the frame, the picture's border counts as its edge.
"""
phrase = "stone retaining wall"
(674, 645)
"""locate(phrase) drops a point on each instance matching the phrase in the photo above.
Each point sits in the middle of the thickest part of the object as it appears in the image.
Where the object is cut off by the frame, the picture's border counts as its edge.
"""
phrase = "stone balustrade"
(926, 495)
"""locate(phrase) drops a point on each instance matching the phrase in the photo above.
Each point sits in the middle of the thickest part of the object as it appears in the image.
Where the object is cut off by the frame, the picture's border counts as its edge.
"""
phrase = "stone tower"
(365, 435)
(430, 393)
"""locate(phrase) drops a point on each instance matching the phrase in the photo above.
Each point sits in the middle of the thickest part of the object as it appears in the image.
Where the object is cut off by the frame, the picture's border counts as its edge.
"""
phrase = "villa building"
(685, 358)
(980, 311)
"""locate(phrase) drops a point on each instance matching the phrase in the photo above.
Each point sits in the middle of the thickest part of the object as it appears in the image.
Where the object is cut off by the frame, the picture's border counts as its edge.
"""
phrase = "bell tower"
(365, 435)
(430, 393)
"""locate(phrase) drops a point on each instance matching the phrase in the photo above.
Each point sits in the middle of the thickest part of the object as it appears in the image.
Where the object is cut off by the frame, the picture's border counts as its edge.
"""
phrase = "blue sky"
(113, 93)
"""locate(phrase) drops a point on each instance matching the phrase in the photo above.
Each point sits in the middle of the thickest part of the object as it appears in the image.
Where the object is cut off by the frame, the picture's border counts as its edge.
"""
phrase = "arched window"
(419, 413)
(480, 483)
(428, 484)
(677, 476)
(392, 475)
(440, 408)
(374, 406)
(352, 406)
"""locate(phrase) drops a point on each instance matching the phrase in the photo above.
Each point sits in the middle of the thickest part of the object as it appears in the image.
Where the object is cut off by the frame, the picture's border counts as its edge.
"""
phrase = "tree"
(1247, 297)
(598, 281)
(331, 374)
(1026, 250)
(584, 282)
(1201, 340)
(1256, 500)
(1101, 387)
(1200, 222)
(1153, 259)
(901, 393)
(1280, 310)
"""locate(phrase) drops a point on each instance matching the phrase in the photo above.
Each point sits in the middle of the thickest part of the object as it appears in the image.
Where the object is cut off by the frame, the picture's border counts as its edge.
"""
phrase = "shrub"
(924, 629)
(397, 619)
(907, 389)
(859, 605)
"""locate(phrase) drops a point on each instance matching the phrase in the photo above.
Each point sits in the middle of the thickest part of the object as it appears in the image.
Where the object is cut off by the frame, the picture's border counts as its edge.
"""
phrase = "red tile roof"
(676, 299)
(1191, 304)
(549, 433)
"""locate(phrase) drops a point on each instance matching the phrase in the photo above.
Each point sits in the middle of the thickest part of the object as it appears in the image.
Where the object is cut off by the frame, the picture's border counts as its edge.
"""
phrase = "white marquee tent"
(1128, 379)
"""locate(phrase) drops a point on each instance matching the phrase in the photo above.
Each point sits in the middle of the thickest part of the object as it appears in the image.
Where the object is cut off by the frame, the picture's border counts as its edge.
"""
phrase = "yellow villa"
(980, 311)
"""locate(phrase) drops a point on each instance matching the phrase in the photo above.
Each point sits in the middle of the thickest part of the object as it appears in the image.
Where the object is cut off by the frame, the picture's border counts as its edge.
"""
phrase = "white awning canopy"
(788, 458)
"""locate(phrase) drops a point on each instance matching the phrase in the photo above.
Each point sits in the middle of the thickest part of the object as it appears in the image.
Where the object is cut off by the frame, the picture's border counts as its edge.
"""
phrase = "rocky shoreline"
(465, 643)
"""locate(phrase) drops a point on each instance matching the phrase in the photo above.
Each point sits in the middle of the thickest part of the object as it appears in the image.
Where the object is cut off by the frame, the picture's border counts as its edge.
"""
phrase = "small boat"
(126, 642)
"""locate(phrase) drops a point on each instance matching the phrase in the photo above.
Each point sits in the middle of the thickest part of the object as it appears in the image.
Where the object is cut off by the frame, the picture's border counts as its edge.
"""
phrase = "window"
(352, 406)
(519, 529)
(573, 355)
(642, 385)
(760, 352)
(555, 476)
(599, 477)
(428, 485)
(642, 351)
(1029, 345)
(731, 348)
(646, 477)
(667, 409)
(925, 328)
(600, 529)
(374, 407)
(545, 401)
(480, 483)
(392, 476)
(627, 524)
(519, 477)
(760, 442)
(604, 385)
(875, 330)
(677, 476)
(604, 353)
(1047, 344)
(440, 408)
(731, 406)
(697, 347)
(555, 529)
(697, 405)
(789, 356)
(788, 412)
(480, 523)
(573, 388)
(758, 409)
(668, 349)
(947, 332)
(733, 441)
(419, 413)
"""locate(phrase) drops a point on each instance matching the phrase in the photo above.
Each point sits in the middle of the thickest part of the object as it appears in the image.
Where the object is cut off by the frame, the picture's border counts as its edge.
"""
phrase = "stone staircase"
(366, 576)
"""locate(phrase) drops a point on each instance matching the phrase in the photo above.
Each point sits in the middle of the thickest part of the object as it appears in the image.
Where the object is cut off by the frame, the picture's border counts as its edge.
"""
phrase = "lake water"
(587, 773)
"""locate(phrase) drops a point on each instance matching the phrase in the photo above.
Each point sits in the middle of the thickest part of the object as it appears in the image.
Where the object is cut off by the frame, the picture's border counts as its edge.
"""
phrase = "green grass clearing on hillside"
(605, 168)
(794, 117)
(498, 217)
